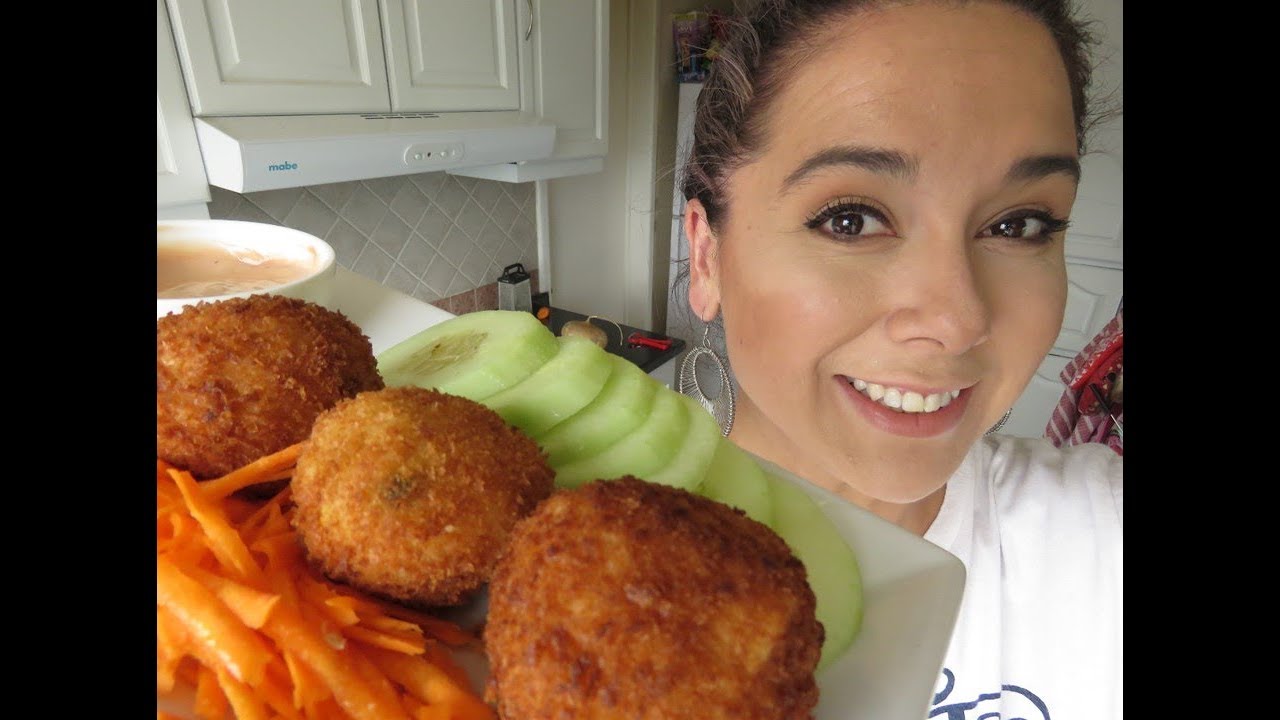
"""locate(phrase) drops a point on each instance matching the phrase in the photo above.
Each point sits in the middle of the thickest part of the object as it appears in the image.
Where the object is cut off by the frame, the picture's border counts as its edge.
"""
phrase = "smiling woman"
(877, 198)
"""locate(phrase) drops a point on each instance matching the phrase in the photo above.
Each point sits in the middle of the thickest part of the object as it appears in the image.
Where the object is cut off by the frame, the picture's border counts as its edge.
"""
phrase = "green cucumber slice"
(736, 480)
(565, 384)
(832, 568)
(639, 453)
(689, 466)
(474, 355)
(622, 405)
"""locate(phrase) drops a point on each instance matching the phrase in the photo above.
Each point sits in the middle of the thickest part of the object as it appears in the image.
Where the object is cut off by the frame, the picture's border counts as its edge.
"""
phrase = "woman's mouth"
(907, 401)
(907, 413)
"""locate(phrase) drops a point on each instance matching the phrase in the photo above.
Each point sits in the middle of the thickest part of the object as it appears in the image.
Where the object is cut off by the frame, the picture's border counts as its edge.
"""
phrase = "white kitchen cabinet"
(1096, 235)
(452, 55)
(242, 57)
(564, 78)
(569, 73)
(180, 178)
(1093, 296)
(1031, 413)
(355, 56)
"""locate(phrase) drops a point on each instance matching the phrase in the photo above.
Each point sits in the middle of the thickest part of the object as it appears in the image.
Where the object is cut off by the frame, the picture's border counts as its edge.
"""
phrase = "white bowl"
(211, 260)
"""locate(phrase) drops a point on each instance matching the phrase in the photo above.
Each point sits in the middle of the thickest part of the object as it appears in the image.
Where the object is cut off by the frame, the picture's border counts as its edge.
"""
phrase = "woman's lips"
(918, 424)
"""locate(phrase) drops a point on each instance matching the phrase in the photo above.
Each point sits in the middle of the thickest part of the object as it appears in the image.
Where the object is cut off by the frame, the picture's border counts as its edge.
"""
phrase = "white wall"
(586, 213)
(610, 231)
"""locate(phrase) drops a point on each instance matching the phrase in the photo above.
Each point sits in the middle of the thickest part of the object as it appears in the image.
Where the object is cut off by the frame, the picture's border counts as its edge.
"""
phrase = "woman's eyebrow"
(1039, 166)
(904, 167)
(877, 160)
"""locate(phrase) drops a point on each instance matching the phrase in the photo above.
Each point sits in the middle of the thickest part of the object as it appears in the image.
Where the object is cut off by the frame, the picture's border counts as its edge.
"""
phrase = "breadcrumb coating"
(245, 377)
(412, 494)
(628, 599)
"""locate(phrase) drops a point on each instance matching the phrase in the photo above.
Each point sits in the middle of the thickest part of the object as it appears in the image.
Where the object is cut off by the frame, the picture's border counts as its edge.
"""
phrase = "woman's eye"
(846, 221)
(1035, 226)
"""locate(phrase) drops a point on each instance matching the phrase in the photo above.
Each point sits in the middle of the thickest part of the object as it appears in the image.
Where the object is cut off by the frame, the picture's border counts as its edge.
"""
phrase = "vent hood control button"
(428, 154)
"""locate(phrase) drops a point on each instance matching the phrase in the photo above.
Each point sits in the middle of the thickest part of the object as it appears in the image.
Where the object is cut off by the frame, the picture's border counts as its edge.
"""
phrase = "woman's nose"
(937, 302)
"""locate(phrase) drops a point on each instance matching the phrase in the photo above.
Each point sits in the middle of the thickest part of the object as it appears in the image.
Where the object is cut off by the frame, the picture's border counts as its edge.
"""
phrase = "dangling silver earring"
(720, 406)
(1000, 423)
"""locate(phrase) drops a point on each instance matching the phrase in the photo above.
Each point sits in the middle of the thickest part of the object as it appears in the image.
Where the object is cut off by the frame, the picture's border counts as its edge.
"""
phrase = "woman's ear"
(704, 266)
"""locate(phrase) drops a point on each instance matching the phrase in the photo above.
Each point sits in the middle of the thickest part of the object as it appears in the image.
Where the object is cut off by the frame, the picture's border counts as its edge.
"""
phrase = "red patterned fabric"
(1080, 416)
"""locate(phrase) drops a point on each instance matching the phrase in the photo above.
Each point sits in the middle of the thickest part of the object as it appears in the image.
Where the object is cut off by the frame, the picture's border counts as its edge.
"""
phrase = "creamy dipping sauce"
(203, 270)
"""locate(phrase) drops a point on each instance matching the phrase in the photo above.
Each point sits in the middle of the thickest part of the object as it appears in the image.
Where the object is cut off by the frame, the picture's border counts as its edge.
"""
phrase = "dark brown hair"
(772, 40)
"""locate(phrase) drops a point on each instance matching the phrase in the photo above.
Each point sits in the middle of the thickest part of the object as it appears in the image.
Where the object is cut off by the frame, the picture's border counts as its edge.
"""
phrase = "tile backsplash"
(441, 238)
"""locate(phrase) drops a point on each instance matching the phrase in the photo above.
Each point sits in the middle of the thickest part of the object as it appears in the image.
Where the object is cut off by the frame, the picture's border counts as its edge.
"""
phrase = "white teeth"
(893, 398)
(912, 402)
(904, 400)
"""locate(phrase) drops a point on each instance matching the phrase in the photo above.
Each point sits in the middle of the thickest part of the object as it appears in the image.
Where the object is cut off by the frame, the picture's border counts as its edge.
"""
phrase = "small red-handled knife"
(655, 343)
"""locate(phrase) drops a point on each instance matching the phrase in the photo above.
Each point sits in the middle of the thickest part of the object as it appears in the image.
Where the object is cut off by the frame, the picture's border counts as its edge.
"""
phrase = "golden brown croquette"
(411, 493)
(245, 377)
(628, 599)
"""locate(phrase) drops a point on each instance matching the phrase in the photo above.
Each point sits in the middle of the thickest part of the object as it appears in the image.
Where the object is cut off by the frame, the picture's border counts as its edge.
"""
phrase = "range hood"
(247, 154)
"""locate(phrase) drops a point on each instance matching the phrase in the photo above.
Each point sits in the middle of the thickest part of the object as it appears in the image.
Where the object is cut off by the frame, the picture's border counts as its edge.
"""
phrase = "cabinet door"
(1031, 413)
(180, 177)
(1093, 297)
(243, 57)
(571, 73)
(1097, 219)
(452, 54)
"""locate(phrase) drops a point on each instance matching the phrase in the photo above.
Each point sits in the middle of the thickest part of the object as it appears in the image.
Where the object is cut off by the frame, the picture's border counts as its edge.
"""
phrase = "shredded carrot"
(247, 704)
(445, 631)
(213, 628)
(245, 621)
(250, 605)
(211, 702)
(224, 539)
(423, 680)
(308, 689)
(390, 641)
(264, 469)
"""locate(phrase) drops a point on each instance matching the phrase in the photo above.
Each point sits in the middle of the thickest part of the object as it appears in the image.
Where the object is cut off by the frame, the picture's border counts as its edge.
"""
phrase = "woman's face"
(898, 241)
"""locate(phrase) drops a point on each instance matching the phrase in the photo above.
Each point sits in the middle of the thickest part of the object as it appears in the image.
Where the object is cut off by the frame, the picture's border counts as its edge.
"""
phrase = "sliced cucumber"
(565, 384)
(475, 355)
(736, 480)
(832, 568)
(640, 453)
(622, 405)
(689, 466)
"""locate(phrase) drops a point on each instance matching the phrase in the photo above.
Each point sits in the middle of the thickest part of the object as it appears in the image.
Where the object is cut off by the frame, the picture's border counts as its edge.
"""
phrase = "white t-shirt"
(1039, 530)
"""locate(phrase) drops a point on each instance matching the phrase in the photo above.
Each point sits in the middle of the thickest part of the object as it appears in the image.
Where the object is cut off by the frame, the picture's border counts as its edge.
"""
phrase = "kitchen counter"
(649, 359)
(388, 316)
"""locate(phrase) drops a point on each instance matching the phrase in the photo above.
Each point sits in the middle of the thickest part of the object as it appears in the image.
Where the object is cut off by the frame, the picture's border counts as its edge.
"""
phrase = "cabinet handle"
(529, 31)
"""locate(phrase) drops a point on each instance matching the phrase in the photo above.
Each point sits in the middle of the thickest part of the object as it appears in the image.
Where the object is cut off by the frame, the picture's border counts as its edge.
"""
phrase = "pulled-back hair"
(775, 38)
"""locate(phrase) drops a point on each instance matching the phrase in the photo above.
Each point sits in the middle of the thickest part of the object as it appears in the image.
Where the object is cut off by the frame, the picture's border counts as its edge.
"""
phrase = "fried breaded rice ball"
(411, 493)
(628, 599)
(245, 377)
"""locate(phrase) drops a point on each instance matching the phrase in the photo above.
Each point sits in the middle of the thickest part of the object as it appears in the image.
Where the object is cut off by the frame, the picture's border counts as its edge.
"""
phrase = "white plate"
(911, 596)
(911, 587)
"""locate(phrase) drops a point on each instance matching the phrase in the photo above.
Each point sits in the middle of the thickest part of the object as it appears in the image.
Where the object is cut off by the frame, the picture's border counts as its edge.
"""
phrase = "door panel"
(445, 55)
(243, 57)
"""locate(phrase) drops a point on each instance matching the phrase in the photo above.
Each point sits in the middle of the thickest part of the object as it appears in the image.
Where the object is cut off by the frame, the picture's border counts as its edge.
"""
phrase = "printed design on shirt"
(1010, 702)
